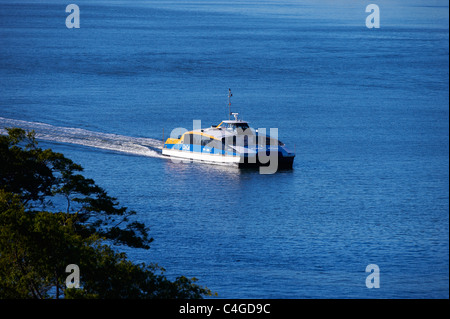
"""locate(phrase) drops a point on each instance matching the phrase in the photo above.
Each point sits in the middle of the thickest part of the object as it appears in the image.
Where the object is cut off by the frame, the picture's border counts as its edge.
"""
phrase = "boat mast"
(229, 103)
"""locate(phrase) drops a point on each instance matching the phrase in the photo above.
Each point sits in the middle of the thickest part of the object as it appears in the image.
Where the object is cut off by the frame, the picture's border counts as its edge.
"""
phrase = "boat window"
(206, 141)
(235, 126)
(242, 126)
(211, 142)
(197, 139)
(226, 143)
(187, 139)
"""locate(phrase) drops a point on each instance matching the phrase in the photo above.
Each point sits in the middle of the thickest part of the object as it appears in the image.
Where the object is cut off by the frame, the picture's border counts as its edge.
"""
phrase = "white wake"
(119, 143)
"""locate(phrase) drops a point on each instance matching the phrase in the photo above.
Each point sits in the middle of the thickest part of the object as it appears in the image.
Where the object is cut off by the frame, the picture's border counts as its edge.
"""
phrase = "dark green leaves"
(36, 245)
(44, 179)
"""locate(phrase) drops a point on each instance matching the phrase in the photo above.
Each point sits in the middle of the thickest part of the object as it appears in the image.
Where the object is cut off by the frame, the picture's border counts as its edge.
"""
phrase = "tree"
(41, 177)
(36, 245)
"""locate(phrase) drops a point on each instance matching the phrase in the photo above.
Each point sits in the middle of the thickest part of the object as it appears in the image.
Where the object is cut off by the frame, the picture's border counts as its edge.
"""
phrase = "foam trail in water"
(124, 144)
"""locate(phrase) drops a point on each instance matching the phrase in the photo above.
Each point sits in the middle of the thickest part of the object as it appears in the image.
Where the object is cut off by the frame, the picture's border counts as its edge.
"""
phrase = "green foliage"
(36, 245)
(43, 177)
(35, 248)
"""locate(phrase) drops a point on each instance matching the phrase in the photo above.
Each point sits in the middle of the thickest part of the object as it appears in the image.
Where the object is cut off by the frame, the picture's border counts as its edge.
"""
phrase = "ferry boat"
(232, 142)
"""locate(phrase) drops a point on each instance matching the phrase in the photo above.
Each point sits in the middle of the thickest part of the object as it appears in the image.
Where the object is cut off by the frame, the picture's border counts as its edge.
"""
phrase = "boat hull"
(283, 162)
(179, 155)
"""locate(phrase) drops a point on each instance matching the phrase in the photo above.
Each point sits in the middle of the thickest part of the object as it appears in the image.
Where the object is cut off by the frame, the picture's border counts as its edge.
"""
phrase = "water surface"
(365, 109)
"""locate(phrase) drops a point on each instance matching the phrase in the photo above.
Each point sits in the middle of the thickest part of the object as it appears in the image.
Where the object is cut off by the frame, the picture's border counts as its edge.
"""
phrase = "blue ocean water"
(365, 109)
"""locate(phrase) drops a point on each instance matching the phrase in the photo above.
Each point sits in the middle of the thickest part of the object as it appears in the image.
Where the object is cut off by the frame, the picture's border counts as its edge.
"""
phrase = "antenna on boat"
(229, 103)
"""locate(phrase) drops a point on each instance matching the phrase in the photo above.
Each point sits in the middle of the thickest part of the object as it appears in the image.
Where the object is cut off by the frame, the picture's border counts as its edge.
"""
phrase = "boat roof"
(234, 121)
(217, 133)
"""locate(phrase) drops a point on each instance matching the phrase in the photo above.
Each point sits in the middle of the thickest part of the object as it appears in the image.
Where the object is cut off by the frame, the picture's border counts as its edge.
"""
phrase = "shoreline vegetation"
(51, 216)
